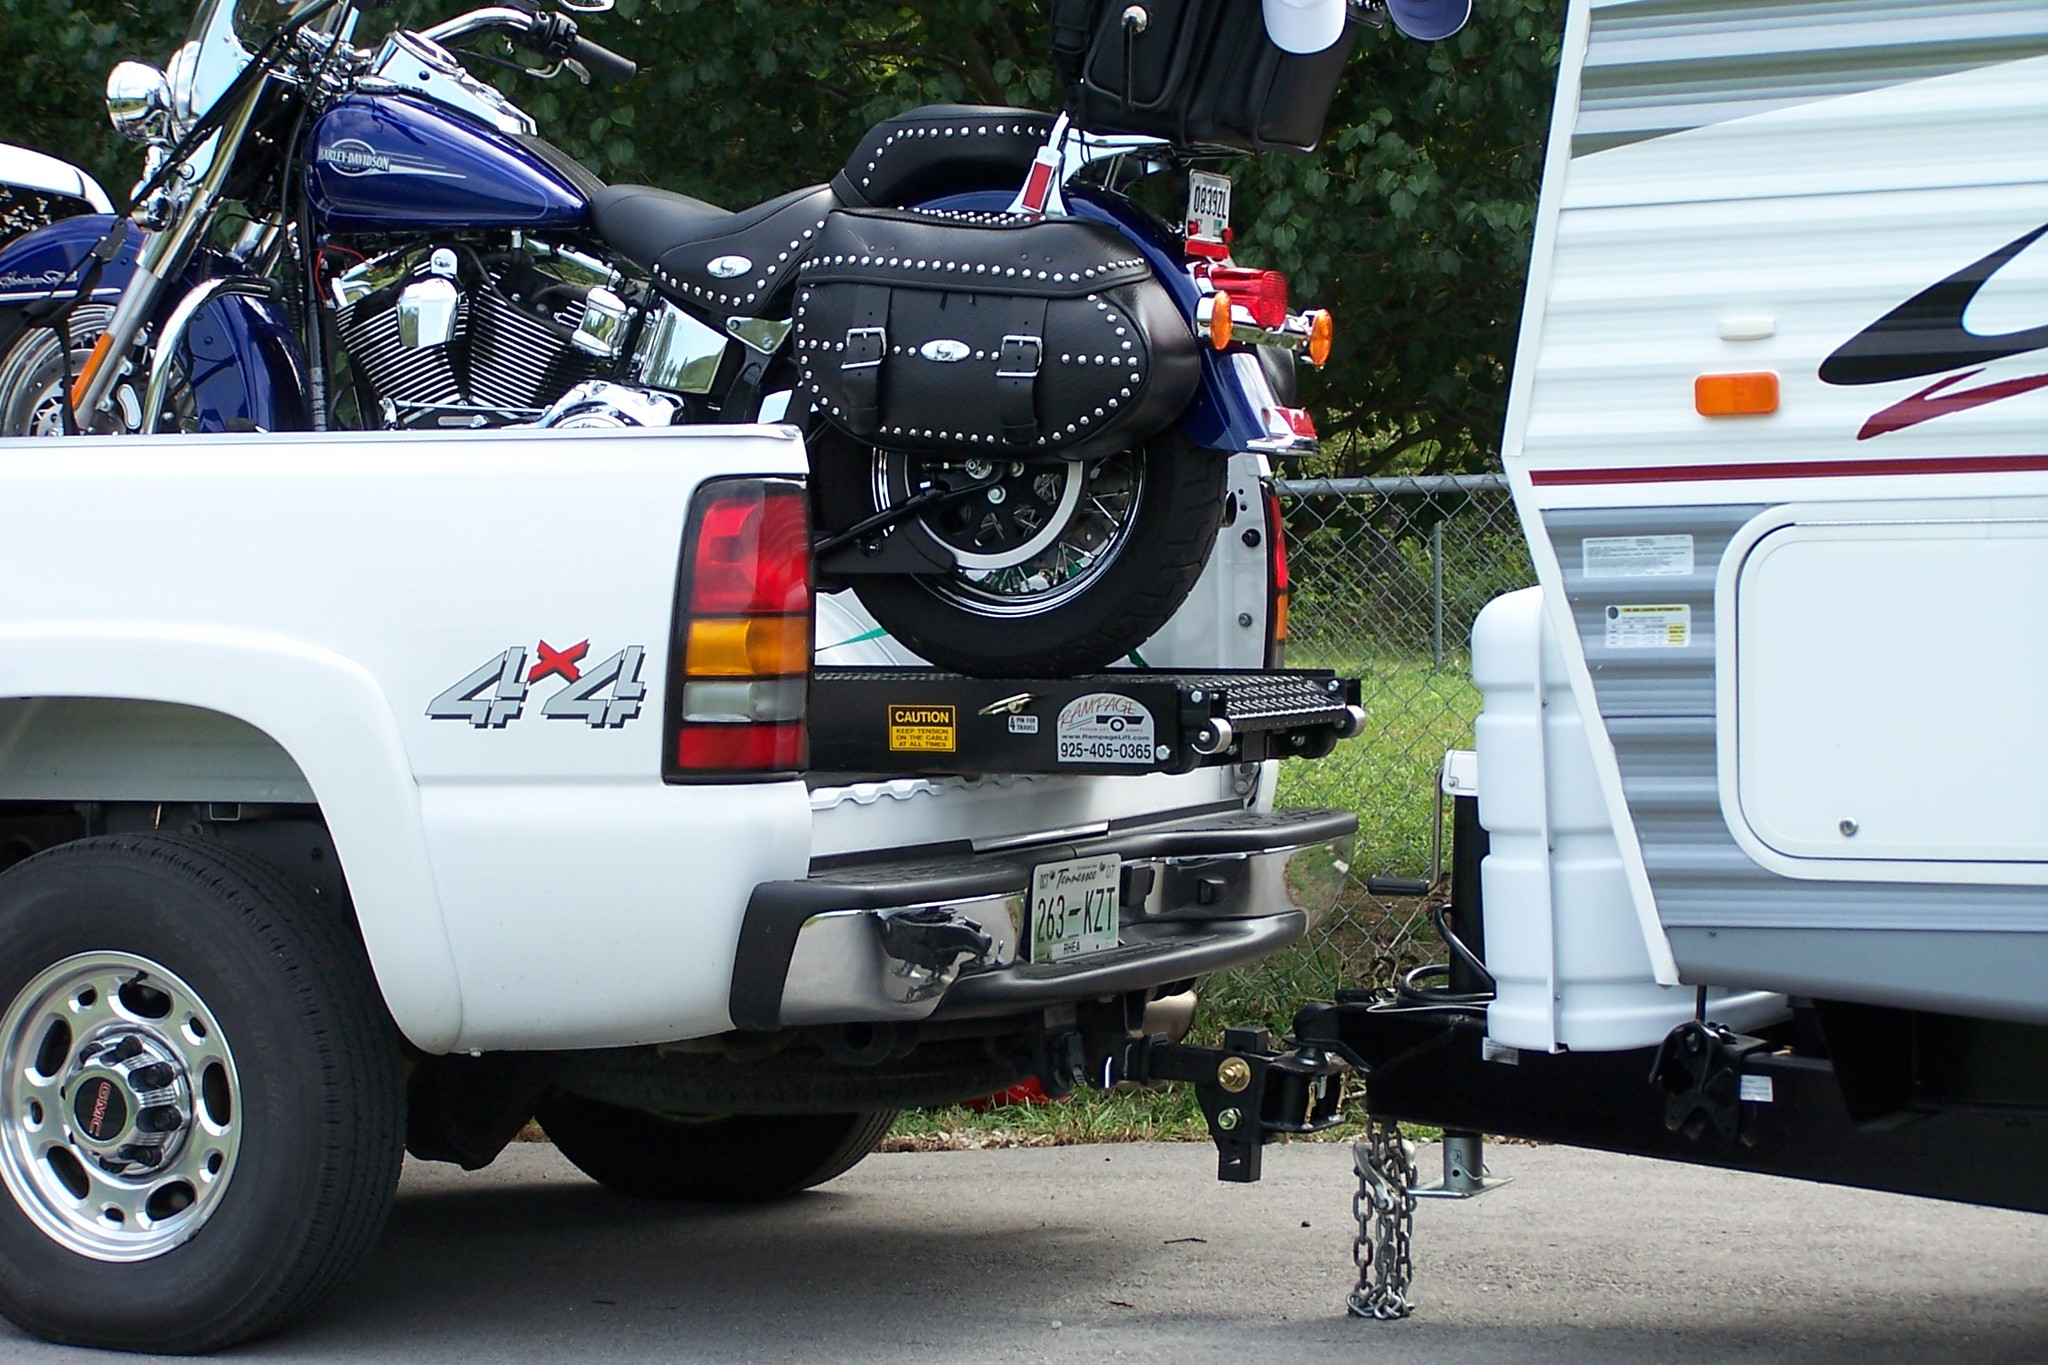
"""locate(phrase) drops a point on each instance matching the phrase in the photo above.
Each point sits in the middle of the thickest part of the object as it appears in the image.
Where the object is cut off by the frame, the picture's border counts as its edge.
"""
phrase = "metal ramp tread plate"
(927, 722)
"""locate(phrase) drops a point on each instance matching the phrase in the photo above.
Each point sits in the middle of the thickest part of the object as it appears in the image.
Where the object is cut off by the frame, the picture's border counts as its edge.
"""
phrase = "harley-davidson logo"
(729, 267)
(945, 350)
(353, 156)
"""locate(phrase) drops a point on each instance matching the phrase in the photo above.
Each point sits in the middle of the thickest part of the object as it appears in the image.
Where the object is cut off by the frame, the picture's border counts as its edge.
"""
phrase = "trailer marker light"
(1735, 395)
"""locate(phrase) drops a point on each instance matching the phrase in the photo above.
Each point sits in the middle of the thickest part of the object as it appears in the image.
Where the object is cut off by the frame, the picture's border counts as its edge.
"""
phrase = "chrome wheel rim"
(32, 380)
(121, 1106)
(1088, 508)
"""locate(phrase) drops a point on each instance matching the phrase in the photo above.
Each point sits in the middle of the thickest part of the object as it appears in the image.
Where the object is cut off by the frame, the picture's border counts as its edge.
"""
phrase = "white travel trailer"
(1763, 763)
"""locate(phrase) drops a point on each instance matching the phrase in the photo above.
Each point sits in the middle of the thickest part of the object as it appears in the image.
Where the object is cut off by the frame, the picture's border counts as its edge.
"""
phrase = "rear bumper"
(1200, 894)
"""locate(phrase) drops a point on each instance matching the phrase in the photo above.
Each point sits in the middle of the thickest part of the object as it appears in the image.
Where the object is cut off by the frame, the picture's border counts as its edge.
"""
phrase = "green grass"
(1387, 775)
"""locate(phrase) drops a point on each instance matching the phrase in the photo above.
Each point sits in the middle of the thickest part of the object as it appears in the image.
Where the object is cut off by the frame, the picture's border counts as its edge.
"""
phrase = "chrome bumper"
(904, 942)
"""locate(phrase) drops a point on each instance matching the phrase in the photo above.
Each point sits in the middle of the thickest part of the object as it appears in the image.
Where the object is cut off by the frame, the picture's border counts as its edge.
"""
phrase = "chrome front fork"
(163, 255)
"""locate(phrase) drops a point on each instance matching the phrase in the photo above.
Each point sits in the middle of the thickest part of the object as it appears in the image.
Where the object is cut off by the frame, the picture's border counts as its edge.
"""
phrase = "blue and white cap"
(1428, 20)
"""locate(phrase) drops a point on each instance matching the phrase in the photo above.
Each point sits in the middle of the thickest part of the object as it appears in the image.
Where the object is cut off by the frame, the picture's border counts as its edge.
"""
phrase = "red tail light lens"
(751, 553)
(739, 656)
(1262, 293)
(1276, 579)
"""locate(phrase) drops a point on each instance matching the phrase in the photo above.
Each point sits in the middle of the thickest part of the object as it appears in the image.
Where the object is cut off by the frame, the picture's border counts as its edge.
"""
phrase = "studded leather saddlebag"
(961, 335)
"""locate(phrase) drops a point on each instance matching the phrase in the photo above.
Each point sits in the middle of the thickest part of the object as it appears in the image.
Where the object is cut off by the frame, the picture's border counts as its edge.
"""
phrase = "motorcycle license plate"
(1073, 907)
(1208, 207)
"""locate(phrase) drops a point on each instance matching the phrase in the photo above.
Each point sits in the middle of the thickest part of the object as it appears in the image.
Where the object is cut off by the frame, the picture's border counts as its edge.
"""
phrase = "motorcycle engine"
(449, 335)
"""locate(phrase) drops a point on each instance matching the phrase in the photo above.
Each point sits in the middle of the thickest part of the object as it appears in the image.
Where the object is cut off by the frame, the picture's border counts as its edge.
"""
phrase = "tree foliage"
(1411, 222)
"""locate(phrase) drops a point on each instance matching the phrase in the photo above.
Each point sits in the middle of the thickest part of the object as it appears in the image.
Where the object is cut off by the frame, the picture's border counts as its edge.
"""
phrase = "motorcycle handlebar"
(552, 34)
(602, 61)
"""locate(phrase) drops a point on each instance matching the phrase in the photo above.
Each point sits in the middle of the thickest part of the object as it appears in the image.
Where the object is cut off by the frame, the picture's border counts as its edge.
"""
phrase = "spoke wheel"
(32, 385)
(1059, 568)
(1026, 536)
(122, 1106)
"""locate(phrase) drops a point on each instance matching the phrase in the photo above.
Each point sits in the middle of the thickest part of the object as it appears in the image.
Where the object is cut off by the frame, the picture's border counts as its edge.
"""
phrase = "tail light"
(1276, 583)
(1262, 293)
(740, 659)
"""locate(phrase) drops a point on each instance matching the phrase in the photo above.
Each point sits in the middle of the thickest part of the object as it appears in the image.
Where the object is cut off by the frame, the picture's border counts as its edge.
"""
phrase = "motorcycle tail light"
(1262, 293)
(740, 656)
(1276, 582)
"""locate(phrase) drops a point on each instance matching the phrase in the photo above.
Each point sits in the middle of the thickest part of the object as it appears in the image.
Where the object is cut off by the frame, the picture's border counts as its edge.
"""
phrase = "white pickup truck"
(364, 795)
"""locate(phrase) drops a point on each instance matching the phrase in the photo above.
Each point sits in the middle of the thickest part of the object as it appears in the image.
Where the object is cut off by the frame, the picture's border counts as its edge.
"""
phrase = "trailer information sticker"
(1104, 727)
(1666, 627)
(921, 729)
(1637, 556)
(1073, 907)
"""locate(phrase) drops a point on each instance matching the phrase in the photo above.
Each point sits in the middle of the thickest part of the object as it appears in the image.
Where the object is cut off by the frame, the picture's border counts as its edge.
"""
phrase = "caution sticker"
(921, 729)
(1649, 627)
(1104, 727)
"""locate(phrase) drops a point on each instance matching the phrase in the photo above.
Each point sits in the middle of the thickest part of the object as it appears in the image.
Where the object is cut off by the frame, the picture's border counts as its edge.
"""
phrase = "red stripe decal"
(1925, 406)
(1794, 469)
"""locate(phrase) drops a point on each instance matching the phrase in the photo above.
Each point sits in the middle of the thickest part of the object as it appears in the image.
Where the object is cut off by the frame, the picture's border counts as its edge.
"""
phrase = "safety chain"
(1384, 1208)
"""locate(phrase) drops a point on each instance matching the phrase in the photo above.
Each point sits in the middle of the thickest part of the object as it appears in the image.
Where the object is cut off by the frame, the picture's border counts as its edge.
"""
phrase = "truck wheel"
(723, 1159)
(201, 1120)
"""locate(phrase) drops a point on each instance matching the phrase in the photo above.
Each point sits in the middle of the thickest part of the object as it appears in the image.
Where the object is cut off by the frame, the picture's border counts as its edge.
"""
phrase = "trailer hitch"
(1250, 1091)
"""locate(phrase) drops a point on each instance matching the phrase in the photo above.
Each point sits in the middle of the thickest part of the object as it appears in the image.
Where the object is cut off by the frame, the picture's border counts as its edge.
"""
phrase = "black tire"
(1168, 537)
(318, 1120)
(31, 376)
(729, 1159)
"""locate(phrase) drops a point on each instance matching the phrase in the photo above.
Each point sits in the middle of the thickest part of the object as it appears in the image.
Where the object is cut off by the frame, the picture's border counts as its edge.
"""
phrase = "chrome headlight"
(139, 102)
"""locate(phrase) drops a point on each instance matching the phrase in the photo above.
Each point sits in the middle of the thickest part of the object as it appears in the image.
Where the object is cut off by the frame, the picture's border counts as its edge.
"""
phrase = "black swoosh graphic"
(1925, 334)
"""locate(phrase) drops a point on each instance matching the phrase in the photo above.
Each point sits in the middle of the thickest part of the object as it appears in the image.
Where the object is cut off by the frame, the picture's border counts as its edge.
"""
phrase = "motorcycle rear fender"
(1222, 415)
(244, 362)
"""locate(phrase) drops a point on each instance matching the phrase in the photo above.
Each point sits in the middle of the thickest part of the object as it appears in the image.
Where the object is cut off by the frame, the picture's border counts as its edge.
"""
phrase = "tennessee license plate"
(1073, 907)
(1208, 207)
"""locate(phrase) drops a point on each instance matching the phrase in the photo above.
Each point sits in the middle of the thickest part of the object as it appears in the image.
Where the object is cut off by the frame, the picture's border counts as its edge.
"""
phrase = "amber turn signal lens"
(93, 362)
(1735, 395)
(748, 646)
(1219, 320)
(1322, 330)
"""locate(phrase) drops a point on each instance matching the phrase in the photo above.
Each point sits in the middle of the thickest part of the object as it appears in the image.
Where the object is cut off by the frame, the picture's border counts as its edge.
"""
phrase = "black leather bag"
(964, 335)
(1194, 72)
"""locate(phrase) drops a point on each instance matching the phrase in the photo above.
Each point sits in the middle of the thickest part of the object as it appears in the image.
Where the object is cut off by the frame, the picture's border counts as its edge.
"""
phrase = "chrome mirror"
(139, 102)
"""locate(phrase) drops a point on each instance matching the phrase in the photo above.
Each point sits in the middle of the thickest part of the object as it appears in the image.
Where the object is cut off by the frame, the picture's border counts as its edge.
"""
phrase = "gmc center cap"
(100, 1108)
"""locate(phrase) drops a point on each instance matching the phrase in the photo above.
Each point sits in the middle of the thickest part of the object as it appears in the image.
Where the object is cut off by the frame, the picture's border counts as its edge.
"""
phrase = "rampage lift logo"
(1926, 335)
(494, 695)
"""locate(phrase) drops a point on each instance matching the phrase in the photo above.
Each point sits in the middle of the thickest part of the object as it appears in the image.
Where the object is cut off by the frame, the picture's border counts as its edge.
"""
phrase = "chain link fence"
(1386, 577)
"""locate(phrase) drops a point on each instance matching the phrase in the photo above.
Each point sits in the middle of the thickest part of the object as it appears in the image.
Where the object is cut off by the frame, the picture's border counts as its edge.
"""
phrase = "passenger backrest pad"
(939, 149)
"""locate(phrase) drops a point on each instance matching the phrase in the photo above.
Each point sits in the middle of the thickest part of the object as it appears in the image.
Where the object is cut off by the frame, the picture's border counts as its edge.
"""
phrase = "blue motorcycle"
(1021, 390)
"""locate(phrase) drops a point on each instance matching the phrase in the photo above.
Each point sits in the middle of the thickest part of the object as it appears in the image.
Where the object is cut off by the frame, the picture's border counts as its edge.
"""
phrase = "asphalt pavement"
(1136, 1253)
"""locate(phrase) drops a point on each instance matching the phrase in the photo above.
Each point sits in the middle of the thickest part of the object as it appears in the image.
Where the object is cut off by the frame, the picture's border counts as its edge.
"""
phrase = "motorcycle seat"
(941, 149)
(679, 240)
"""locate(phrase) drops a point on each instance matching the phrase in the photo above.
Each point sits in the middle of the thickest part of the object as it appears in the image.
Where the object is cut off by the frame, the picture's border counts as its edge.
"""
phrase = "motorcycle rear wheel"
(1064, 568)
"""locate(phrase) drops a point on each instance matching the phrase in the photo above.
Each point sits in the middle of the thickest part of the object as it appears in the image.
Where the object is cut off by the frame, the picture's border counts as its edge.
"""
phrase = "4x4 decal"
(493, 695)
(1924, 336)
